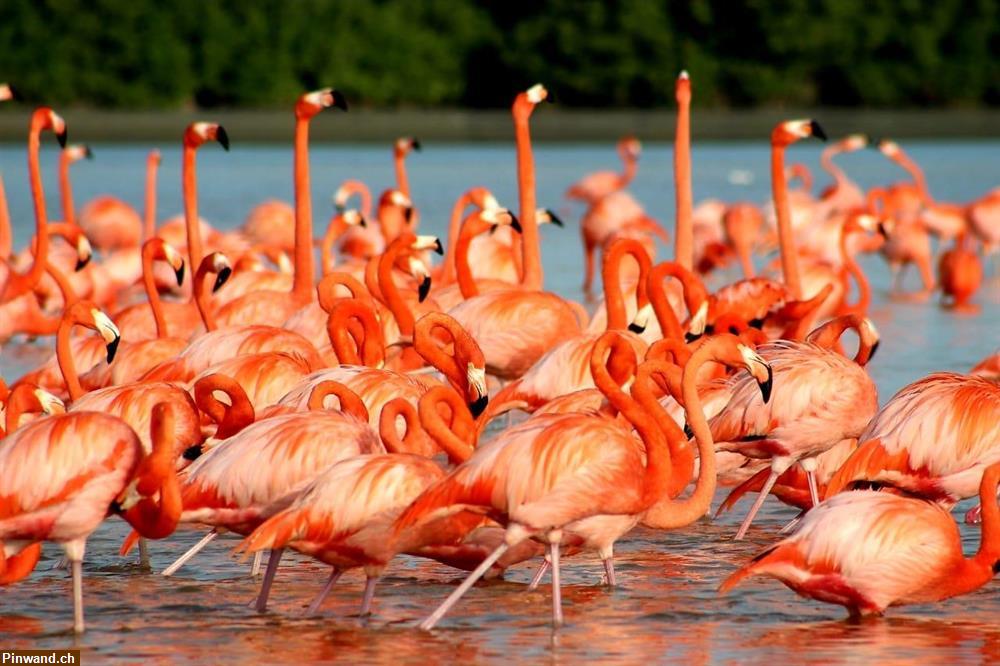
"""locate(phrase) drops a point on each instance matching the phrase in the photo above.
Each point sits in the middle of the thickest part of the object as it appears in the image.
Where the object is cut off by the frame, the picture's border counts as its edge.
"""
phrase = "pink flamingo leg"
(538, 574)
(318, 601)
(366, 602)
(609, 572)
(265, 588)
(77, 567)
(775, 473)
(191, 552)
(453, 598)
(557, 614)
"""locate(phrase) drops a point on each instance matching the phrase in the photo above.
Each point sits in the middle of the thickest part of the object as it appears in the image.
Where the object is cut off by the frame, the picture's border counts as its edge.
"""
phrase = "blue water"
(665, 608)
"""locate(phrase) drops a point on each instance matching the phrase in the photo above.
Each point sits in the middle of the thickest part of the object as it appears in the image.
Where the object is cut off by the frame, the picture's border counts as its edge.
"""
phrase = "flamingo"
(984, 220)
(868, 551)
(146, 321)
(22, 401)
(820, 399)
(934, 438)
(94, 465)
(594, 187)
(960, 273)
(17, 284)
(339, 224)
(556, 472)
(270, 306)
(842, 194)
(271, 223)
(516, 326)
(400, 149)
(153, 160)
(988, 367)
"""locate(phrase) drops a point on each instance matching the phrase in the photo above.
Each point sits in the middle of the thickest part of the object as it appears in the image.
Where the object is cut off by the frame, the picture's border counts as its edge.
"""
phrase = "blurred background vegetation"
(183, 54)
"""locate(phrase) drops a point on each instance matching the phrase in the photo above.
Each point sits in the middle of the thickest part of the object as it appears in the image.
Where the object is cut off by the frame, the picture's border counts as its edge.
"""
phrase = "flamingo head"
(682, 88)
(174, 258)
(790, 131)
(498, 217)
(854, 142)
(154, 158)
(759, 369)
(698, 323)
(354, 218)
(427, 243)
(78, 151)
(7, 92)
(483, 198)
(218, 263)
(405, 144)
(84, 252)
(45, 118)
(546, 216)
(630, 147)
(48, 403)
(198, 133)
(396, 199)
(869, 336)
(311, 103)
(90, 316)
(641, 319)
(478, 396)
(419, 270)
(525, 102)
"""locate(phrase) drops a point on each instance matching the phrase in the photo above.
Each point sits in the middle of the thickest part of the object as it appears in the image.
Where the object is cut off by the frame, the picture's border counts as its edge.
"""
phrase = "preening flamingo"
(867, 551)
(22, 401)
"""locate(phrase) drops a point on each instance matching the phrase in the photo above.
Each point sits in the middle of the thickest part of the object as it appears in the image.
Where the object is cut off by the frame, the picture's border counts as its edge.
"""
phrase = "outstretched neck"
(149, 284)
(779, 186)
(191, 221)
(448, 268)
(854, 270)
(21, 284)
(149, 216)
(302, 283)
(64, 357)
(531, 266)
(65, 189)
(684, 243)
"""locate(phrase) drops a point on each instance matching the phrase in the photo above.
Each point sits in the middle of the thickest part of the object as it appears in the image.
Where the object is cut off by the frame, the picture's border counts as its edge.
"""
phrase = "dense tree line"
(146, 53)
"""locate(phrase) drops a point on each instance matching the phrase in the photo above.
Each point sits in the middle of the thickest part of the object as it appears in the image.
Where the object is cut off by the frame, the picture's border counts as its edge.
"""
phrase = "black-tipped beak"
(222, 137)
(221, 278)
(88, 153)
(180, 274)
(438, 247)
(871, 354)
(113, 349)
(363, 223)
(688, 432)
(882, 230)
(192, 452)
(817, 130)
(479, 406)
(875, 144)
(555, 220)
(408, 214)
(424, 288)
(339, 100)
(765, 387)
(515, 224)
(15, 94)
(690, 337)
(81, 263)
(340, 208)
(62, 138)
(636, 328)
(415, 144)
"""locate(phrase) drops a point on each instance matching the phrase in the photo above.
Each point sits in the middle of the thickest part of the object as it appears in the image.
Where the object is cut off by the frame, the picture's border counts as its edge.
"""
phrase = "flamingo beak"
(514, 223)
(759, 369)
(339, 100)
(553, 218)
(108, 331)
(424, 288)
(641, 319)
(221, 277)
(49, 403)
(83, 254)
(61, 137)
(415, 144)
(222, 137)
(477, 383)
(698, 323)
(179, 272)
(816, 130)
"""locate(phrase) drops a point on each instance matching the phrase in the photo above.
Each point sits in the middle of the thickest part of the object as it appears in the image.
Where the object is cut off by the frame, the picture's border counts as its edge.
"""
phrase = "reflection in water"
(665, 608)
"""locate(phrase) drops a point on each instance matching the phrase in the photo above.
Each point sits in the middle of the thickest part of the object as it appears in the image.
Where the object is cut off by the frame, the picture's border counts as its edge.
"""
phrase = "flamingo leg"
(453, 598)
(191, 552)
(557, 614)
(255, 567)
(144, 554)
(538, 574)
(366, 601)
(609, 572)
(809, 465)
(77, 567)
(318, 601)
(265, 588)
(758, 503)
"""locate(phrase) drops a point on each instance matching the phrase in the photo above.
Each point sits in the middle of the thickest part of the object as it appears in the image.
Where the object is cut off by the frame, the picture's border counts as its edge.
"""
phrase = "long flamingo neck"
(334, 230)
(6, 238)
(466, 282)
(201, 299)
(64, 357)
(66, 289)
(631, 167)
(614, 298)
(448, 269)
(302, 283)
(658, 463)
(911, 167)
(191, 222)
(684, 243)
(402, 182)
(149, 284)
(229, 419)
(852, 267)
(390, 292)
(65, 189)
(18, 284)
(779, 186)
(429, 350)
(350, 403)
(681, 453)
(826, 161)
(531, 266)
(458, 449)
(149, 216)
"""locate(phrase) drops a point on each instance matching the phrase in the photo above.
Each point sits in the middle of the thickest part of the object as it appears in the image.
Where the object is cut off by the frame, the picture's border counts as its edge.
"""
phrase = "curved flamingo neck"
(65, 189)
(786, 241)
(229, 419)
(200, 298)
(326, 290)
(149, 216)
(472, 226)
(531, 261)
(658, 463)
(630, 166)
(826, 161)
(6, 238)
(448, 268)
(21, 284)
(302, 283)
(390, 434)
(150, 251)
(350, 403)
(457, 437)
(614, 298)
(156, 515)
(334, 230)
(852, 267)
(681, 453)
(911, 167)
(370, 349)
(351, 187)
(190, 190)
(400, 309)
(64, 355)
(684, 243)
(466, 351)
(693, 290)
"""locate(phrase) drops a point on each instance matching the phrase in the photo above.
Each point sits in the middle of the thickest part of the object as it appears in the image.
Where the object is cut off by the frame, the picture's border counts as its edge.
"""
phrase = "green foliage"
(143, 53)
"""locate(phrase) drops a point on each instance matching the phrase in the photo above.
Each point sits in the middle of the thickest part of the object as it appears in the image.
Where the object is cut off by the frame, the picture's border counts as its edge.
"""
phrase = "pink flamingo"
(595, 186)
(868, 551)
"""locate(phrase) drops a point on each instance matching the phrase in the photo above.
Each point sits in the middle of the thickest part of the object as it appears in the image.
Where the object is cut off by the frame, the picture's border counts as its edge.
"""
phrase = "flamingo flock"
(216, 380)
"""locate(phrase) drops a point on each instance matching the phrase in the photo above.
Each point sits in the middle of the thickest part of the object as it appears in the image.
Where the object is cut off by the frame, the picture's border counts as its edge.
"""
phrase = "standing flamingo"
(868, 551)
(592, 188)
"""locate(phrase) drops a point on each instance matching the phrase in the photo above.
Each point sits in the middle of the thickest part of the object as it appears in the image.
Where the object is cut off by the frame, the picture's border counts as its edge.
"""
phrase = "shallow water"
(665, 607)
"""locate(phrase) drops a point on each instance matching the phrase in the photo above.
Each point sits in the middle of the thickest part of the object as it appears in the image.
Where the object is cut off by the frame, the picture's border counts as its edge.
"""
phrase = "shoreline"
(549, 124)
